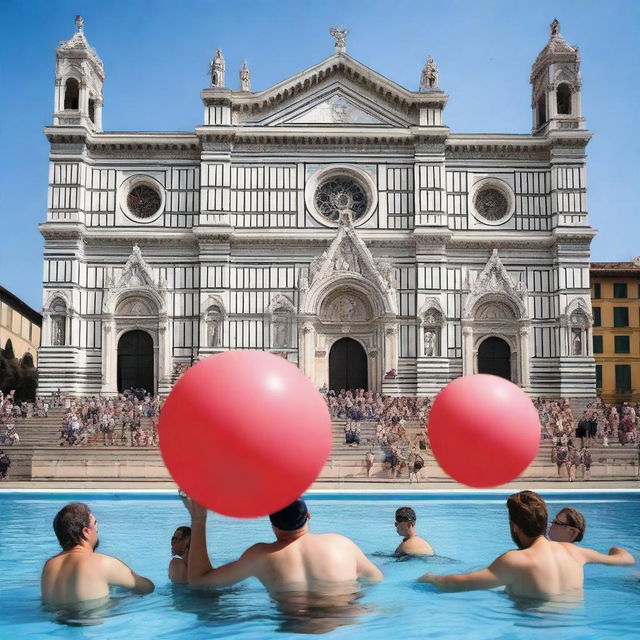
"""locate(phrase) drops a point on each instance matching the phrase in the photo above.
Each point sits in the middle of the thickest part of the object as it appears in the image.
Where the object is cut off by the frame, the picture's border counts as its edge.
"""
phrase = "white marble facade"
(333, 204)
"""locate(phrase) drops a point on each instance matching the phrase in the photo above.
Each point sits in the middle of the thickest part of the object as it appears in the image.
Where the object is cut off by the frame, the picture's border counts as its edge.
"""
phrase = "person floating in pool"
(540, 568)
(297, 561)
(79, 574)
(180, 551)
(412, 544)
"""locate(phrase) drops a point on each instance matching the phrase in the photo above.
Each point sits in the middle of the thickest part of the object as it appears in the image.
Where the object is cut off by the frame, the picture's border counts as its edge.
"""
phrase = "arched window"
(541, 110)
(579, 323)
(58, 322)
(214, 320)
(92, 110)
(71, 94)
(563, 99)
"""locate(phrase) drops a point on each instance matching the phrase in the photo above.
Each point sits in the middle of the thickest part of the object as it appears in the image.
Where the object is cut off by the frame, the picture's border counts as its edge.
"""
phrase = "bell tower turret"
(79, 83)
(555, 80)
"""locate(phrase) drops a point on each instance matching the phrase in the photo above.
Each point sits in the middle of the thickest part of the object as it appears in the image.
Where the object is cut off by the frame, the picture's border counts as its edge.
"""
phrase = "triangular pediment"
(338, 90)
(336, 109)
(136, 273)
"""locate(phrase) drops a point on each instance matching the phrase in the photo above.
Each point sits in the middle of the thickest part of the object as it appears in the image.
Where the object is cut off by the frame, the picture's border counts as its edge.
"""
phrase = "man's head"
(291, 519)
(527, 517)
(405, 521)
(180, 541)
(74, 524)
(568, 526)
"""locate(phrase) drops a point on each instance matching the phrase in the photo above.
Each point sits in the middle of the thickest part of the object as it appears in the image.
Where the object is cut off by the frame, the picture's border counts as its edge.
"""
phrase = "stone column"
(308, 349)
(391, 347)
(109, 357)
(524, 356)
(83, 100)
(45, 337)
(98, 122)
(467, 351)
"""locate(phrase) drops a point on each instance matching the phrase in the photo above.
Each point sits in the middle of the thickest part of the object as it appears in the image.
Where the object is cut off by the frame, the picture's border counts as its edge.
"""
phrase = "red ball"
(484, 430)
(244, 433)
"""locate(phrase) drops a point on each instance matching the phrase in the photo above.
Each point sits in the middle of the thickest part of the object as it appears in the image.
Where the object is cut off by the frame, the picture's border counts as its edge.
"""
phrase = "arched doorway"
(135, 361)
(494, 357)
(347, 365)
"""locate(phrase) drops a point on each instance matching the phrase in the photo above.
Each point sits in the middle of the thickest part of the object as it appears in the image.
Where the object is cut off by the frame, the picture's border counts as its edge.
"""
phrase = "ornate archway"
(135, 361)
(494, 357)
(347, 365)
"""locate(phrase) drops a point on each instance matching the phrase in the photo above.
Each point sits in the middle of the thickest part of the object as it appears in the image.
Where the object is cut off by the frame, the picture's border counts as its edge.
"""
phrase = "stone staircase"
(39, 457)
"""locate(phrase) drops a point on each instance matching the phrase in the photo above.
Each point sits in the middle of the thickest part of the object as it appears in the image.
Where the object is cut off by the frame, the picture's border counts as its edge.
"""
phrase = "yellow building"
(20, 324)
(615, 298)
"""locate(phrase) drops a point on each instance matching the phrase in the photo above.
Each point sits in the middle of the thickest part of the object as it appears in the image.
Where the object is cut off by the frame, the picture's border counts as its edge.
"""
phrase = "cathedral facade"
(333, 219)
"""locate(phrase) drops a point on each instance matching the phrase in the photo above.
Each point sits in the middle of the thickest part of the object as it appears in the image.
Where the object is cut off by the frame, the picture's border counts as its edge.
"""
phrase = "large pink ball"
(244, 433)
(484, 430)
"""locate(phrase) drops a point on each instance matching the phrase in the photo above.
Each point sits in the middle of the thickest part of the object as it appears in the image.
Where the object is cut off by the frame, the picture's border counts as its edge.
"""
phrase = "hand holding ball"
(484, 430)
(244, 433)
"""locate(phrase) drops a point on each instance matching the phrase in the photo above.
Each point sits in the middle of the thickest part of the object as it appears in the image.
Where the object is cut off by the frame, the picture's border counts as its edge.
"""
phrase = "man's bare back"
(296, 561)
(78, 574)
(414, 546)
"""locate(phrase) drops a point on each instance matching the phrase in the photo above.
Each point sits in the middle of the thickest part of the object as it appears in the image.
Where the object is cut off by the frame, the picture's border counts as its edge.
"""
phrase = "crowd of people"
(111, 421)
(359, 404)
(9, 411)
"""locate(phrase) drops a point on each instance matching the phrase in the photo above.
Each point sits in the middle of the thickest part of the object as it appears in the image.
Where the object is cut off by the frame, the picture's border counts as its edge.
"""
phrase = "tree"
(8, 350)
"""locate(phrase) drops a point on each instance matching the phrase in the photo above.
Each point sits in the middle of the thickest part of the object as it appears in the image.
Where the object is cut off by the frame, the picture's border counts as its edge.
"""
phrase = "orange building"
(615, 298)
(19, 323)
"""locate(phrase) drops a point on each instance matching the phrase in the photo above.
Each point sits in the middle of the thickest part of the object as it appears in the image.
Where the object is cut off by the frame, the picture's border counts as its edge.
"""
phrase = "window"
(619, 289)
(71, 94)
(620, 316)
(596, 291)
(597, 344)
(621, 344)
(623, 378)
(598, 376)
(541, 111)
(563, 99)
(597, 317)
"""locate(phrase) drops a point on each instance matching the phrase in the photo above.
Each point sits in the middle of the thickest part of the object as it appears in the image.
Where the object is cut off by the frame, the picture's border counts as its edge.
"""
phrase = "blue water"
(467, 531)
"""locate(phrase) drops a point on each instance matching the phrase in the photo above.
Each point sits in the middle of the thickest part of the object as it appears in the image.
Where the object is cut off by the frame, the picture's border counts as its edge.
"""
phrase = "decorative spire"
(216, 70)
(340, 34)
(429, 77)
(555, 28)
(79, 23)
(245, 77)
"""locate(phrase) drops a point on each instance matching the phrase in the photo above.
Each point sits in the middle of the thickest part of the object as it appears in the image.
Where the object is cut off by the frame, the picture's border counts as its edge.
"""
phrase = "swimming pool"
(467, 531)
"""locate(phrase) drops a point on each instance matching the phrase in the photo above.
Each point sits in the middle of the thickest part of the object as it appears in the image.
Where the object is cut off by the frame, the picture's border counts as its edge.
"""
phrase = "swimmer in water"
(78, 573)
(180, 551)
(297, 561)
(540, 568)
(412, 544)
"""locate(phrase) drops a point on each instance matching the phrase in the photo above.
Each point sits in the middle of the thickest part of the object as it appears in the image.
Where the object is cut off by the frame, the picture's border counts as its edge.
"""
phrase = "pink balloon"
(244, 433)
(484, 430)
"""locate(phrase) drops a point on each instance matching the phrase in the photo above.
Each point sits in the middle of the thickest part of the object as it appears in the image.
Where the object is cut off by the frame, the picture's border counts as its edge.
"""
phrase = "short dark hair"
(184, 531)
(69, 523)
(574, 519)
(405, 514)
(528, 510)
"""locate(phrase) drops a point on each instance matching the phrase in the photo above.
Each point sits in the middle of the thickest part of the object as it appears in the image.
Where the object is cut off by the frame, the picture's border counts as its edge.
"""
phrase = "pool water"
(467, 532)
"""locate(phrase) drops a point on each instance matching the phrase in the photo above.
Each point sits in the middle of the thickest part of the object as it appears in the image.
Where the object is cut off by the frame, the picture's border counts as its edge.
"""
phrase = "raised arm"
(120, 575)
(200, 571)
(498, 574)
(617, 556)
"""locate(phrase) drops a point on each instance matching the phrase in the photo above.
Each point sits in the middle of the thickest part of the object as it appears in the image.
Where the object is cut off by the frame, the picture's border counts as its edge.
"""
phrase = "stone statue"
(216, 70)
(341, 38)
(58, 331)
(429, 342)
(245, 78)
(577, 342)
(212, 331)
(79, 23)
(429, 78)
(280, 338)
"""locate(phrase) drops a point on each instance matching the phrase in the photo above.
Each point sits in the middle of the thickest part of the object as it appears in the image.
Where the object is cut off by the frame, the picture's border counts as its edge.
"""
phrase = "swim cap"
(292, 517)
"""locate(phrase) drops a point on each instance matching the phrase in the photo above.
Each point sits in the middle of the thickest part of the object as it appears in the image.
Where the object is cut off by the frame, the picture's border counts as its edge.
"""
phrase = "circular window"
(143, 201)
(141, 198)
(491, 204)
(331, 190)
(339, 193)
(491, 201)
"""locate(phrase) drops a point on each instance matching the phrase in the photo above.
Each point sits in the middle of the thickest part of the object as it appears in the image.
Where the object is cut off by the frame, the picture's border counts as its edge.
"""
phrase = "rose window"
(143, 201)
(338, 194)
(491, 204)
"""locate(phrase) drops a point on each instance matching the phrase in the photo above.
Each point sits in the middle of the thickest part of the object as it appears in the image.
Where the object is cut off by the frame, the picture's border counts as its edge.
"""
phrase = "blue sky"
(156, 57)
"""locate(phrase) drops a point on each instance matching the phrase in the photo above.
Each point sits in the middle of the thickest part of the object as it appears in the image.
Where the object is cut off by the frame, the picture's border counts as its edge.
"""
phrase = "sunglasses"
(562, 524)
